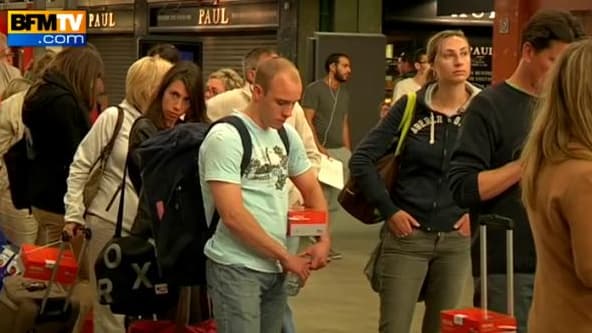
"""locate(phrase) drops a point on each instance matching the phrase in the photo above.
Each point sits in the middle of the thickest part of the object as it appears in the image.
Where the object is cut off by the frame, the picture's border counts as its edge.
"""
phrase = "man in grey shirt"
(326, 105)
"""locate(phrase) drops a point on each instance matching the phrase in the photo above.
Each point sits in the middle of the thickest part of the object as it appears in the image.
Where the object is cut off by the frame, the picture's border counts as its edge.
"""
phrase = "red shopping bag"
(165, 326)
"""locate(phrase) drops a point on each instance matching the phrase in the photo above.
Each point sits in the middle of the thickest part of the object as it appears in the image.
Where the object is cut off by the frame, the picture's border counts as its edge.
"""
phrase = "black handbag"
(128, 276)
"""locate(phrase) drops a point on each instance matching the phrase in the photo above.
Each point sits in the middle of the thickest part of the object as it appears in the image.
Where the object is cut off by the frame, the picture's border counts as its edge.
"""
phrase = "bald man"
(247, 254)
(7, 70)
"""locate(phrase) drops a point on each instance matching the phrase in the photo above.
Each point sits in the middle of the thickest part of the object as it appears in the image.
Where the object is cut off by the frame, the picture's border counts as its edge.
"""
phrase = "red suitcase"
(177, 326)
(149, 326)
(480, 320)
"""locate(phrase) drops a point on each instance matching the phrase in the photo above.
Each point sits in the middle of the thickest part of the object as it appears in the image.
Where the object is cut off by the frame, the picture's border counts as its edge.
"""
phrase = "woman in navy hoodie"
(425, 240)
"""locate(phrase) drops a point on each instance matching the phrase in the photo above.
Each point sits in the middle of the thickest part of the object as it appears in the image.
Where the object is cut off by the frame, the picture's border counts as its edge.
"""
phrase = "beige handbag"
(98, 167)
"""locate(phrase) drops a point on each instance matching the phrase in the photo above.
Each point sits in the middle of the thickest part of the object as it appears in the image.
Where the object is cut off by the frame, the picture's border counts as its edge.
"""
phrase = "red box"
(38, 263)
(475, 320)
(306, 222)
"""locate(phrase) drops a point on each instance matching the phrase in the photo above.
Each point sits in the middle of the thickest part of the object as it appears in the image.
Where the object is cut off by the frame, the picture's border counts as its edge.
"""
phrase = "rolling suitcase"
(481, 320)
(179, 325)
(28, 305)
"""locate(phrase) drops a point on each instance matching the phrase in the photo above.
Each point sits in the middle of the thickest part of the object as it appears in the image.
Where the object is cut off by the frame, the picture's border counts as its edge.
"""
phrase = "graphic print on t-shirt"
(269, 164)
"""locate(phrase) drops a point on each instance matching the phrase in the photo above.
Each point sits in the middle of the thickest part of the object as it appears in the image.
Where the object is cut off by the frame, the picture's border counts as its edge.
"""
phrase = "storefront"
(217, 34)
(111, 30)
(409, 26)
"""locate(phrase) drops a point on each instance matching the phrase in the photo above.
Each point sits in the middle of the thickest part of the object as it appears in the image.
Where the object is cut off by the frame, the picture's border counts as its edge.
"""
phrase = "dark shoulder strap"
(284, 136)
(109, 147)
(243, 132)
(106, 151)
(120, 210)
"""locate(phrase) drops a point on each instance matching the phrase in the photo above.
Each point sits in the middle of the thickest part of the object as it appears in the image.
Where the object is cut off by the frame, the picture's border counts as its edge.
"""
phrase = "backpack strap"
(284, 136)
(243, 132)
(245, 136)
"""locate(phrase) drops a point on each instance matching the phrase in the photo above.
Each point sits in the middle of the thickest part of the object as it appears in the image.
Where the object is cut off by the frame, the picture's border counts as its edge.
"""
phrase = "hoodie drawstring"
(432, 129)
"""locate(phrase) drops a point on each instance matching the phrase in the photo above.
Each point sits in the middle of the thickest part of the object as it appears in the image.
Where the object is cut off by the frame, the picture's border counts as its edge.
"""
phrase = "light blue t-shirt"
(264, 189)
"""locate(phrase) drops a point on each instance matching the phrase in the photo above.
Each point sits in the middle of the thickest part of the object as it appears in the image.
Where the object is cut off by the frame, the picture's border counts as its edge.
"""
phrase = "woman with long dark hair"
(179, 98)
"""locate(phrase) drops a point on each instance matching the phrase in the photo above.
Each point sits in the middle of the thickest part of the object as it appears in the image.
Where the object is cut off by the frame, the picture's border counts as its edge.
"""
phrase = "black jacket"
(421, 188)
(170, 176)
(142, 130)
(494, 131)
(57, 121)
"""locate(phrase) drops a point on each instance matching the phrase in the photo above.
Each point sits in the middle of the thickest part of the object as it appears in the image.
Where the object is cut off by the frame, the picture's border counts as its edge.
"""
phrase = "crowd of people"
(469, 152)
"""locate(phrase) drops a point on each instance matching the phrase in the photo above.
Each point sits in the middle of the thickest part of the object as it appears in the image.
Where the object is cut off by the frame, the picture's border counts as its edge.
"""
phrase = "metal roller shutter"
(118, 53)
(228, 51)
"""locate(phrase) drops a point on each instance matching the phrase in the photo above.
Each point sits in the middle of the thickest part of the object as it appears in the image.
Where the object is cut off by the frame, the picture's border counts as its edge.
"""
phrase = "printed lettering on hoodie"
(427, 121)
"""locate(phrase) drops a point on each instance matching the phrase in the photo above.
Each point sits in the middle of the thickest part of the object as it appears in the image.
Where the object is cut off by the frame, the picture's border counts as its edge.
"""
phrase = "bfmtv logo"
(57, 21)
(47, 28)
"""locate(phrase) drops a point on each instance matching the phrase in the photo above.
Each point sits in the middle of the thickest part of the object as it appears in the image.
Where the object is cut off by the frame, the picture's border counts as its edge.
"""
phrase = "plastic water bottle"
(293, 284)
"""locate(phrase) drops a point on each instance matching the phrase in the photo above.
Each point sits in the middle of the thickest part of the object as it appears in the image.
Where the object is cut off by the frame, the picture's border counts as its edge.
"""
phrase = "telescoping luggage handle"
(54, 272)
(497, 222)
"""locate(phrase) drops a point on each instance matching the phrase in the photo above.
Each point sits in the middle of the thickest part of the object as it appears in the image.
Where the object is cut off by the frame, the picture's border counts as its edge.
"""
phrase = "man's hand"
(324, 151)
(72, 229)
(401, 224)
(494, 182)
(463, 226)
(297, 265)
(319, 253)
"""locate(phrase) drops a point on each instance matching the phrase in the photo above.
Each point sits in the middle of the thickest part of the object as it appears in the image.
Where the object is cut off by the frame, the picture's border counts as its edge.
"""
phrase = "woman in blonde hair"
(425, 240)
(143, 77)
(222, 80)
(7, 71)
(557, 193)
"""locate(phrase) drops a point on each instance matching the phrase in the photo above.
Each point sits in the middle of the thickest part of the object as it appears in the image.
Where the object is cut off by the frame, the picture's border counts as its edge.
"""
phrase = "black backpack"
(17, 162)
(170, 183)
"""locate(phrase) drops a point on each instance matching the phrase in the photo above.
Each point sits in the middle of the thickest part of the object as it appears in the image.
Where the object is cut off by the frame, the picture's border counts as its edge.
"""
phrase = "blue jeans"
(497, 290)
(246, 300)
(288, 324)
